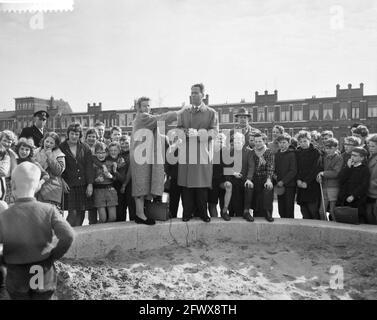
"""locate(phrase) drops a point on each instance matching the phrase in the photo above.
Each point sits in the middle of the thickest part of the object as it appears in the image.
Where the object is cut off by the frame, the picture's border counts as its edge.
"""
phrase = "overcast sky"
(114, 51)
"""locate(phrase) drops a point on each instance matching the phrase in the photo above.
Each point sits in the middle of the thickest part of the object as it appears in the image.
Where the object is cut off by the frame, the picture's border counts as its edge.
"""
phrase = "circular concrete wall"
(99, 240)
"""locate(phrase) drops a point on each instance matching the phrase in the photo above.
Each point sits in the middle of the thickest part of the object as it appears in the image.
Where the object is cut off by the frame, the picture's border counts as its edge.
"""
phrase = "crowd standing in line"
(89, 173)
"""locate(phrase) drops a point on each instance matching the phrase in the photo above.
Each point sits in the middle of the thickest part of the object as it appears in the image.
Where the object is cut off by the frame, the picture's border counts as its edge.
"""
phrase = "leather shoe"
(225, 216)
(206, 219)
(148, 222)
(269, 217)
(248, 217)
(185, 219)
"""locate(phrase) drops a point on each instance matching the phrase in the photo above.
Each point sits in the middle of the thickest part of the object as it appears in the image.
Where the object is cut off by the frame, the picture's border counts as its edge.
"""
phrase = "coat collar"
(200, 108)
(38, 130)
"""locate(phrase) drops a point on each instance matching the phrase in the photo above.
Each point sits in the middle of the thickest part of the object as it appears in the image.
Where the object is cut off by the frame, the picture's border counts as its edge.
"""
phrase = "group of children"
(307, 168)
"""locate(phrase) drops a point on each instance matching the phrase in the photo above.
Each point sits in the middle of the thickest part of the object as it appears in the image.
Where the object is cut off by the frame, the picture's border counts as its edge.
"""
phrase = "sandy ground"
(223, 270)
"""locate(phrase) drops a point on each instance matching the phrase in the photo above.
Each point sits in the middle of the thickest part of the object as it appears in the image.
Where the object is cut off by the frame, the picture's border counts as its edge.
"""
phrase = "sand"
(223, 270)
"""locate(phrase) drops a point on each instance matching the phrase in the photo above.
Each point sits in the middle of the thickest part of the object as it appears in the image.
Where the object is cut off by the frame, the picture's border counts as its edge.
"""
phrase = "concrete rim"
(98, 240)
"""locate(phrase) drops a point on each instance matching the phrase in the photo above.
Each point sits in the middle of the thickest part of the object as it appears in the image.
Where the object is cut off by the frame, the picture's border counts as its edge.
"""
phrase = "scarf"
(259, 154)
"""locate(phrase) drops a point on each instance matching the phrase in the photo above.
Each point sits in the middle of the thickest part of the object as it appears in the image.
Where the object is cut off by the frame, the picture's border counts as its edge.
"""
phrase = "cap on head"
(361, 151)
(41, 114)
(243, 112)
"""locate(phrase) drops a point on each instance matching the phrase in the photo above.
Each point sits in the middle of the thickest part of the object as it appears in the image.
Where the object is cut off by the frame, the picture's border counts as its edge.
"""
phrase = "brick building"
(336, 113)
(25, 107)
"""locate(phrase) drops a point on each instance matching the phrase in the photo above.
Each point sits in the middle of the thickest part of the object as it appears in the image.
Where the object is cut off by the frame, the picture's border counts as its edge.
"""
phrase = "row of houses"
(337, 113)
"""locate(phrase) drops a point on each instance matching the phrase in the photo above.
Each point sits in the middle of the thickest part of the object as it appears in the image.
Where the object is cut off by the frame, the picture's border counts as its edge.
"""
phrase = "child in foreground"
(26, 232)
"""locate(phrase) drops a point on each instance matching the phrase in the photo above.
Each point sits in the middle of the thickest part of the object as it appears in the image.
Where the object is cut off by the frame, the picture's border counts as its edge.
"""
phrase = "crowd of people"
(238, 169)
(89, 173)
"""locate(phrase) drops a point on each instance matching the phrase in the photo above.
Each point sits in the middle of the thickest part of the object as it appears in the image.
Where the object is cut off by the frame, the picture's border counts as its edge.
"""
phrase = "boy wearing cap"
(37, 130)
(243, 117)
(349, 144)
(285, 176)
(354, 181)
(26, 232)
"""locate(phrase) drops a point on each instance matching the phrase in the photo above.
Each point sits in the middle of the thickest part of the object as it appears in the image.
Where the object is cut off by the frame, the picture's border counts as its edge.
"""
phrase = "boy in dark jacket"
(119, 171)
(285, 174)
(354, 181)
(26, 232)
(126, 190)
(308, 167)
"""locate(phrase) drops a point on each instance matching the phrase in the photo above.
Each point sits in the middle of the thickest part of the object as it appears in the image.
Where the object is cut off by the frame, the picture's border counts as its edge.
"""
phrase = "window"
(297, 113)
(129, 119)
(343, 111)
(327, 111)
(261, 114)
(285, 114)
(122, 120)
(225, 118)
(314, 112)
(271, 114)
(85, 122)
(372, 109)
(355, 110)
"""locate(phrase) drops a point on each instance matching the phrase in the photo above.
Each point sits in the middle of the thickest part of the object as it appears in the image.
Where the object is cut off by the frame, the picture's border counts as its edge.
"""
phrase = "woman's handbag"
(346, 215)
(157, 210)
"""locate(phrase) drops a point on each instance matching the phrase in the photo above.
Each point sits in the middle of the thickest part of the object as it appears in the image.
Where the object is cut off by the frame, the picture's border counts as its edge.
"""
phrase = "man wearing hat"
(243, 117)
(37, 130)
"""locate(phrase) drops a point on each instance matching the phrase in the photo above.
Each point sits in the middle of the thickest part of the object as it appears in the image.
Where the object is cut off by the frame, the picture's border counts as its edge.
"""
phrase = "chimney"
(265, 92)
(100, 105)
(361, 86)
(349, 86)
(88, 104)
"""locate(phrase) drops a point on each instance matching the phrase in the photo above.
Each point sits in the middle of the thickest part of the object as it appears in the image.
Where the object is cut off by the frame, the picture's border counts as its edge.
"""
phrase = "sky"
(115, 51)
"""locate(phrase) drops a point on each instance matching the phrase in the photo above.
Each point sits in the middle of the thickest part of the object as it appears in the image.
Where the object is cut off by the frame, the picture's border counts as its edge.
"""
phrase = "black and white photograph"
(196, 153)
